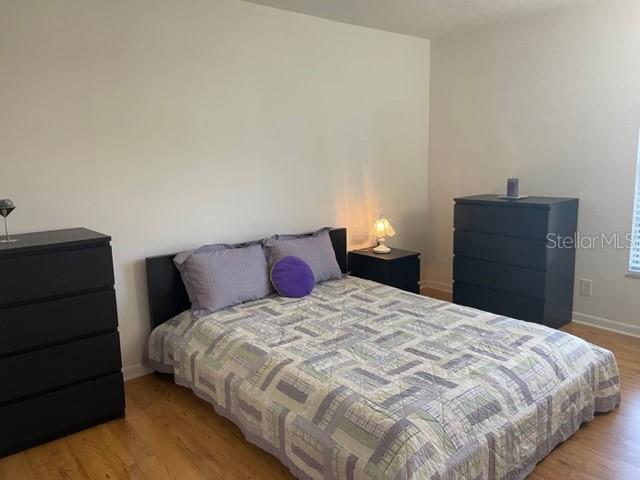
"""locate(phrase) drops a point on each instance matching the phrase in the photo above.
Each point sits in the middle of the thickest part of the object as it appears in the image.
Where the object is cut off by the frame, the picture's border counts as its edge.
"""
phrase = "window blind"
(634, 257)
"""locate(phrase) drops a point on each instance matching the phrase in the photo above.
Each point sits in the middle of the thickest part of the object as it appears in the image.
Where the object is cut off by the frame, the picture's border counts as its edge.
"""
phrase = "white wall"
(554, 100)
(171, 124)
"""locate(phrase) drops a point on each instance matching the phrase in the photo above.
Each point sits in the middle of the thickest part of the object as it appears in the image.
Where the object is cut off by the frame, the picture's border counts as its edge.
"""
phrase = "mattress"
(364, 381)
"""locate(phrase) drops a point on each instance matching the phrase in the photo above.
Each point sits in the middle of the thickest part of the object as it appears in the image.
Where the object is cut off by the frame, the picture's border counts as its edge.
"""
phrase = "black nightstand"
(398, 268)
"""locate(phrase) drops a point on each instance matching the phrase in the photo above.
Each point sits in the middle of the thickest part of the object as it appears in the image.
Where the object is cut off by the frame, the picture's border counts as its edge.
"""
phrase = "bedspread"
(364, 381)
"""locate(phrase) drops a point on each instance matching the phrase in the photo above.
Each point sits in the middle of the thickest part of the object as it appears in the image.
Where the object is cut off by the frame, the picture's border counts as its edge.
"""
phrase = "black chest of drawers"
(516, 257)
(398, 268)
(60, 365)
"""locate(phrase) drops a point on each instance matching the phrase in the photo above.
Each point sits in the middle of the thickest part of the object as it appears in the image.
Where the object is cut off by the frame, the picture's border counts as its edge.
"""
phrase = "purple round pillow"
(292, 277)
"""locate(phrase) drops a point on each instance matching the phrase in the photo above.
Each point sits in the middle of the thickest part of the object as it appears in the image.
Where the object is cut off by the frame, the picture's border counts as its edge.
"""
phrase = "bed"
(361, 380)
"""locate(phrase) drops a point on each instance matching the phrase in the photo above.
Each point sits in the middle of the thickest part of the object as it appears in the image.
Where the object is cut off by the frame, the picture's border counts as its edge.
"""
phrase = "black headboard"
(168, 297)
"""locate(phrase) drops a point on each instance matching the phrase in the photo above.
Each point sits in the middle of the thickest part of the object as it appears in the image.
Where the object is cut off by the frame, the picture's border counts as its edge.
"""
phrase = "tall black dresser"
(508, 260)
(60, 365)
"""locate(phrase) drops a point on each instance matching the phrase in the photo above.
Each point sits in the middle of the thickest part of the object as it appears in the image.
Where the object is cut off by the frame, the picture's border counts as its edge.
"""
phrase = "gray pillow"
(218, 276)
(314, 249)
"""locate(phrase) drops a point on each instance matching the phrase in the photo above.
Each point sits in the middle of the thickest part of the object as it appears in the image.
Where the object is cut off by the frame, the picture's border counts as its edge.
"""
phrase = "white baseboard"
(606, 324)
(135, 371)
(438, 285)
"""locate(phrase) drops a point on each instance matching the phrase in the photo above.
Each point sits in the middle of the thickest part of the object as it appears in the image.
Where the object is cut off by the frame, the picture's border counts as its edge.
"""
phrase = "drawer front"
(500, 303)
(514, 221)
(507, 278)
(30, 277)
(58, 413)
(40, 370)
(368, 268)
(56, 321)
(405, 274)
(496, 248)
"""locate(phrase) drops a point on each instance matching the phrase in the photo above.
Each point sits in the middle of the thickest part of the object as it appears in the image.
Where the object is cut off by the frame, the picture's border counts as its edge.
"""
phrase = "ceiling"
(421, 18)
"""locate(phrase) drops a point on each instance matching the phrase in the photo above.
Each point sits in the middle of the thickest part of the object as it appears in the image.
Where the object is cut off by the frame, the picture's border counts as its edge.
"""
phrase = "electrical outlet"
(586, 287)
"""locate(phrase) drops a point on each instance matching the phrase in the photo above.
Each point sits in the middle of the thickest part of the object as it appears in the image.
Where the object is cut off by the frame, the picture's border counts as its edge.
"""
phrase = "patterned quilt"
(364, 381)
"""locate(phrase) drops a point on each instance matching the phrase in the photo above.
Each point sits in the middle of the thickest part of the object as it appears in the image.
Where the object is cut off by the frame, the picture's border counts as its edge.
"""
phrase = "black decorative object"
(512, 190)
(6, 207)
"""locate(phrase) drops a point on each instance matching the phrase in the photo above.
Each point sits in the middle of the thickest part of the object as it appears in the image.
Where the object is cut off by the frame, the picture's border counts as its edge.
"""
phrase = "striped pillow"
(315, 249)
(219, 276)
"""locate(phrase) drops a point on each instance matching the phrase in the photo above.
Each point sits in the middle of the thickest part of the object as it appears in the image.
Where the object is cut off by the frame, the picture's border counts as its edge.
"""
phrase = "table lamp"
(6, 207)
(382, 228)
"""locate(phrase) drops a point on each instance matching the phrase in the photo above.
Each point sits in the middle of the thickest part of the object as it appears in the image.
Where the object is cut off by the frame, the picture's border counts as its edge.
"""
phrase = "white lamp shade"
(382, 228)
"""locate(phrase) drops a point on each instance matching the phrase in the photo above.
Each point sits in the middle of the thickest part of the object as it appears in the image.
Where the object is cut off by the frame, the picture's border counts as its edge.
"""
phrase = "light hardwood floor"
(169, 433)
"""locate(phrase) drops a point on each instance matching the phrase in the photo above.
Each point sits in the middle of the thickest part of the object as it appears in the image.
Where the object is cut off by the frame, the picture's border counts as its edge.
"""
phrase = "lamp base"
(382, 247)
(8, 240)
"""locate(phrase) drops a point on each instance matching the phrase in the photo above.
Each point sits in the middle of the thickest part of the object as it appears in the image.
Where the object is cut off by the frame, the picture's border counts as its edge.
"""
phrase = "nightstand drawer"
(500, 303)
(500, 220)
(30, 277)
(399, 268)
(55, 321)
(497, 248)
(507, 278)
(413, 287)
(404, 273)
(54, 414)
(48, 368)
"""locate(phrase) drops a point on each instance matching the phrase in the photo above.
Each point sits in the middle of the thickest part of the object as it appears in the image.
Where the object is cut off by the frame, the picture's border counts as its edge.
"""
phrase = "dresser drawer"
(496, 248)
(502, 220)
(30, 277)
(509, 305)
(58, 413)
(507, 278)
(40, 370)
(55, 321)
